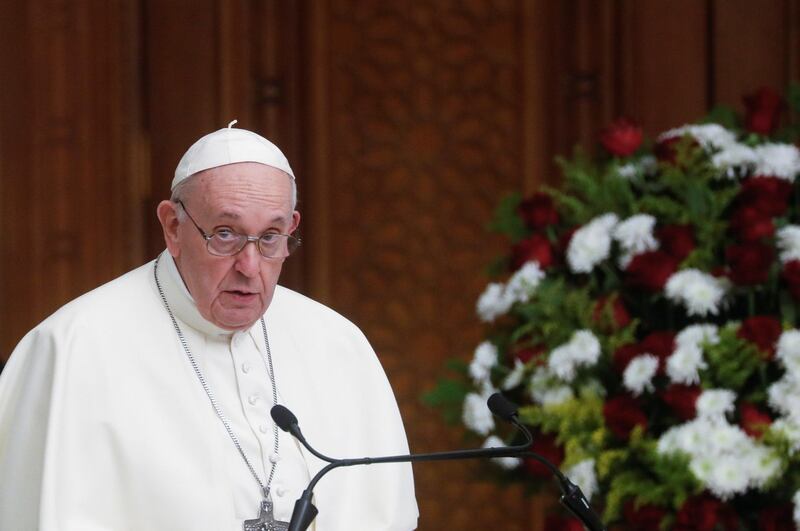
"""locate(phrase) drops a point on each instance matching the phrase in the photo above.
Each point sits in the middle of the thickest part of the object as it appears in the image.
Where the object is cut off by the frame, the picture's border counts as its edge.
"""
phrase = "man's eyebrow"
(228, 214)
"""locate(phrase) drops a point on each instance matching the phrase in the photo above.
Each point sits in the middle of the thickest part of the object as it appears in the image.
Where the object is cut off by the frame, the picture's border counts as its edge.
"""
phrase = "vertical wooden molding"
(793, 41)
(536, 131)
(319, 158)
(234, 63)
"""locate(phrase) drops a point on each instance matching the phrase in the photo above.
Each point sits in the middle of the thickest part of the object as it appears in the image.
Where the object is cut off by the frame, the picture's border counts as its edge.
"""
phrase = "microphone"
(305, 511)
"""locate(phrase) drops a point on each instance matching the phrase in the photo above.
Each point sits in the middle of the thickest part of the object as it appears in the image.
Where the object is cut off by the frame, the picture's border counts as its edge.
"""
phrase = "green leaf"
(722, 115)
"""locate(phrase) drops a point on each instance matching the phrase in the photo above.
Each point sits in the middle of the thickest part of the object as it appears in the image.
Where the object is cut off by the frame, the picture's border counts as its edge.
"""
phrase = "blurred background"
(405, 121)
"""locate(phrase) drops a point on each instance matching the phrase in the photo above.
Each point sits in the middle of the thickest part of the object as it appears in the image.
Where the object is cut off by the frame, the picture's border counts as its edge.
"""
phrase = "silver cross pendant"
(266, 520)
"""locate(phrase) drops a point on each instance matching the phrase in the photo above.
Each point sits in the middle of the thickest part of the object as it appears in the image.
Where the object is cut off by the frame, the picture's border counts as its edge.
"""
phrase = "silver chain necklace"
(266, 520)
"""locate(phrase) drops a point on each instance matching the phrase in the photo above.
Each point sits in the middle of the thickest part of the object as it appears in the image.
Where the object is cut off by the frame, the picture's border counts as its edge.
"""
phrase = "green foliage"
(731, 362)
(506, 220)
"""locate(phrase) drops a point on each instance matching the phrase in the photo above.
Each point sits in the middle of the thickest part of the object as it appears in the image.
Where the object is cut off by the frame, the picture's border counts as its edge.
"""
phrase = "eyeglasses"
(225, 242)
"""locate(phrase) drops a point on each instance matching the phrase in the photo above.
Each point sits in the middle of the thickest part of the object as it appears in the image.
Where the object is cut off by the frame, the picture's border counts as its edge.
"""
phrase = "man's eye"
(270, 237)
(225, 235)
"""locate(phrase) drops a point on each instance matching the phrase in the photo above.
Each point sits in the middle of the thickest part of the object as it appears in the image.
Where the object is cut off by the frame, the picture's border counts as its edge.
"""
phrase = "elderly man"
(144, 404)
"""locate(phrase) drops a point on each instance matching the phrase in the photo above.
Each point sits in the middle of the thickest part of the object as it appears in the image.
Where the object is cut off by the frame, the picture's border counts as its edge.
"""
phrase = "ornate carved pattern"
(424, 139)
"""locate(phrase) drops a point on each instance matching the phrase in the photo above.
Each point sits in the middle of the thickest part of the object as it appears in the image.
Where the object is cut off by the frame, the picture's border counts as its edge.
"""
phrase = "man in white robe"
(144, 404)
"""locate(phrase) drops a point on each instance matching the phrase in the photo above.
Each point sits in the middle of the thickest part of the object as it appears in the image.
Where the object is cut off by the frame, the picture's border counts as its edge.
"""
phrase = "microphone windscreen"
(502, 407)
(283, 417)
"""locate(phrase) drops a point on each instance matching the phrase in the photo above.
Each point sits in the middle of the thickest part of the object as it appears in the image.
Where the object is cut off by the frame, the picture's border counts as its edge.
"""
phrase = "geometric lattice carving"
(425, 137)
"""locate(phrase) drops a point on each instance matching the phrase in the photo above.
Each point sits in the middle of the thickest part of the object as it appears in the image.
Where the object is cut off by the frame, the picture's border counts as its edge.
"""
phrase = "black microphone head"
(283, 417)
(502, 407)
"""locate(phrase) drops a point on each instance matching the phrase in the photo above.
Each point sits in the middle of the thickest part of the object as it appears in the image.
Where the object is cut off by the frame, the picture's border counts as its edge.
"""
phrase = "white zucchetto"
(229, 146)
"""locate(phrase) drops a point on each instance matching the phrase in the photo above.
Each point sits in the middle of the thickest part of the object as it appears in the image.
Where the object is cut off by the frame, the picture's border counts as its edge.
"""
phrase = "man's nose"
(248, 260)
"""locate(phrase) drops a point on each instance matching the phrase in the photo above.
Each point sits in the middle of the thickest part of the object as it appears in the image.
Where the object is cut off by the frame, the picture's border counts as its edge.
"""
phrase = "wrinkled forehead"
(244, 183)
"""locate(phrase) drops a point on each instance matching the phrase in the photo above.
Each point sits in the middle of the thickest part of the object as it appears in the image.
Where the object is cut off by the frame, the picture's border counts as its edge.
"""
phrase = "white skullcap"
(229, 146)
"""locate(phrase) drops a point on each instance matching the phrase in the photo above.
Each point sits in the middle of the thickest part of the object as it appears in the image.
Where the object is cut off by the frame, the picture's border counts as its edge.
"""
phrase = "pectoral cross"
(266, 520)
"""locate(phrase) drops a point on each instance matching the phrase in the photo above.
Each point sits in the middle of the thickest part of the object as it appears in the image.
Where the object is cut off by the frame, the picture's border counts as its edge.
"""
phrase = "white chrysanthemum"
(586, 347)
(546, 389)
(555, 396)
(635, 236)
(685, 363)
(561, 362)
(524, 282)
(787, 351)
(784, 395)
(582, 350)
(476, 415)
(778, 160)
(789, 428)
(591, 244)
(734, 160)
(722, 474)
(721, 456)
(710, 136)
(583, 475)
(515, 377)
(493, 302)
(700, 293)
(628, 171)
(484, 359)
(697, 334)
(715, 403)
(796, 512)
(509, 463)
(788, 241)
(638, 375)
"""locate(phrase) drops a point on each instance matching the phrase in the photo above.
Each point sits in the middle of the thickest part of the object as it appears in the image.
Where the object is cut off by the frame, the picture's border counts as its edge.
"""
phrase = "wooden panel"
(181, 89)
(68, 193)
(422, 108)
(751, 48)
(663, 61)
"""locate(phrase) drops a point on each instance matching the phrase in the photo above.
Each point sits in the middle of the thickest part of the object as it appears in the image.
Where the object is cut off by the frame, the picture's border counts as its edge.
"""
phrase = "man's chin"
(236, 319)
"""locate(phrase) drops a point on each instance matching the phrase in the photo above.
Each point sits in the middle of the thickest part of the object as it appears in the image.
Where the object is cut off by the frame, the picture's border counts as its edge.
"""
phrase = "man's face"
(232, 292)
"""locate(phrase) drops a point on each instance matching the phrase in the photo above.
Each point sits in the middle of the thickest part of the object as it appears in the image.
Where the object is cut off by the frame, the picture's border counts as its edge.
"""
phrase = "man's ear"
(295, 221)
(167, 213)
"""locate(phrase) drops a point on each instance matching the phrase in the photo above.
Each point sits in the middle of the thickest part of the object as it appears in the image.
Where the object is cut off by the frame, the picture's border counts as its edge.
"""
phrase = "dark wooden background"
(406, 122)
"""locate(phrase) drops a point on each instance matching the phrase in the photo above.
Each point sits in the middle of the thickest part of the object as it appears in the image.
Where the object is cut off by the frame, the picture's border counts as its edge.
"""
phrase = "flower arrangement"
(646, 318)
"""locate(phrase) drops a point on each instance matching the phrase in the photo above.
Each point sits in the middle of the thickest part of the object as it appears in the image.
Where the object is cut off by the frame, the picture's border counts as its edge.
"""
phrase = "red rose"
(676, 240)
(750, 224)
(535, 248)
(776, 518)
(526, 354)
(538, 211)
(754, 421)
(763, 110)
(791, 275)
(643, 517)
(763, 330)
(749, 262)
(705, 513)
(665, 150)
(622, 138)
(544, 445)
(624, 354)
(623, 413)
(620, 318)
(681, 399)
(563, 523)
(767, 194)
(650, 271)
(659, 344)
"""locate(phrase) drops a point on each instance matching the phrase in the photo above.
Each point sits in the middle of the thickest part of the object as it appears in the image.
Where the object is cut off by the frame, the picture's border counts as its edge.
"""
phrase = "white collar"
(180, 300)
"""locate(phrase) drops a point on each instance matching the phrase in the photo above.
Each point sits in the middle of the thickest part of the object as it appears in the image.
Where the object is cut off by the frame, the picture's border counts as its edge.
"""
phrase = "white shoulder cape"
(104, 426)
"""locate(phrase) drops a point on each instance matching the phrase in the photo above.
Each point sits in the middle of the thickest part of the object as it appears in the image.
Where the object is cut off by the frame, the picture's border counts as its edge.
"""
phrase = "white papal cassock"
(104, 425)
